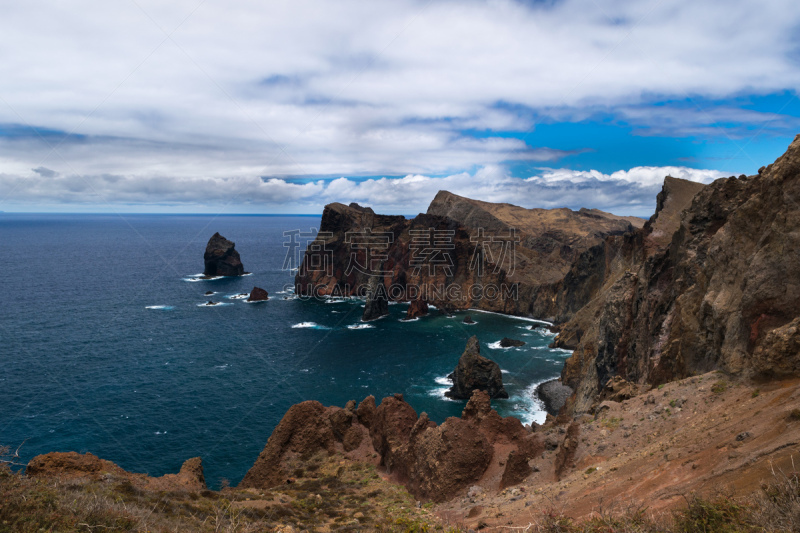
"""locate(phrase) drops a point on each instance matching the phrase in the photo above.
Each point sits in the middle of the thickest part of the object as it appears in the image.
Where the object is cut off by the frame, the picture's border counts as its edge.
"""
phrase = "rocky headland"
(449, 254)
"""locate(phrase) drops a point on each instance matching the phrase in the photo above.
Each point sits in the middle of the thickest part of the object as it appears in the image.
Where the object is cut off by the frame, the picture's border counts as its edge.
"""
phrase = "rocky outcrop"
(221, 258)
(468, 320)
(553, 395)
(565, 456)
(258, 295)
(306, 429)
(73, 465)
(377, 302)
(434, 462)
(417, 308)
(454, 253)
(475, 372)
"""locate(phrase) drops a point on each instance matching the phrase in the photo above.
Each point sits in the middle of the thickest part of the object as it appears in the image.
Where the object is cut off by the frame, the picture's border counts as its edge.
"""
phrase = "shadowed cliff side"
(723, 292)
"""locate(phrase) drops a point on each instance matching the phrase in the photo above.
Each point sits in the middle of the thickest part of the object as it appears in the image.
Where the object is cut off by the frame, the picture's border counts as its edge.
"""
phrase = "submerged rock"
(258, 295)
(221, 258)
(508, 343)
(476, 372)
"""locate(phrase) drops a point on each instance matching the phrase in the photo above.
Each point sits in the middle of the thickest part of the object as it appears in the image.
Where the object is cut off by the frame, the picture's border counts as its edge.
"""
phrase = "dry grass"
(331, 497)
(337, 496)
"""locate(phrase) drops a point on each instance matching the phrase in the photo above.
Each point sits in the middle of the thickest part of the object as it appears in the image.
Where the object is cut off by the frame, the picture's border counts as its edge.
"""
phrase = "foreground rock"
(475, 372)
(73, 465)
(377, 303)
(258, 295)
(221, 258)
(434, 462)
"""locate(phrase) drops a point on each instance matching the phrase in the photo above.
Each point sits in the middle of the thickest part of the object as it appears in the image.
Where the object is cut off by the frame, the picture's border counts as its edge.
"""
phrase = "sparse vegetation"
(795, 414)
(719, 387)
(776, 509)
(611, 423)
(755, 393)
(342, 498)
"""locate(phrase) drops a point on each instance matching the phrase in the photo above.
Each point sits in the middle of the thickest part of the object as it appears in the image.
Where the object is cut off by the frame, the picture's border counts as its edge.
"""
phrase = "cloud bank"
(183, 101)
(630, 192)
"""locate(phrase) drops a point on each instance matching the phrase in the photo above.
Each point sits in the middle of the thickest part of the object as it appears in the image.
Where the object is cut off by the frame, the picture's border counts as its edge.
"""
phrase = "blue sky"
(282, 107)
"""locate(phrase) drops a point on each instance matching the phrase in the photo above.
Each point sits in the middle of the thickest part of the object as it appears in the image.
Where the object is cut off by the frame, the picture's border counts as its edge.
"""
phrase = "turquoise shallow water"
(105, 347)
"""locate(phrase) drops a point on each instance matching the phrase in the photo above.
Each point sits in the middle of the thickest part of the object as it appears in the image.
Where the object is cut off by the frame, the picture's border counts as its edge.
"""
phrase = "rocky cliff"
(434, 462)
(462, 253)
(712, 286)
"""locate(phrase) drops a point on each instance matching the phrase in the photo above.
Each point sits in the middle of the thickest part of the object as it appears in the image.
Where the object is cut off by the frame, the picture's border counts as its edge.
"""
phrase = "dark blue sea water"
(104, 348)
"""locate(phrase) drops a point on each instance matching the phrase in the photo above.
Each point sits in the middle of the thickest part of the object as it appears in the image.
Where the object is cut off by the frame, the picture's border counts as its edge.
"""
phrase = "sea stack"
(221, 258)
(476, 372)
(258, 295)
(377, 304)
(417, 308)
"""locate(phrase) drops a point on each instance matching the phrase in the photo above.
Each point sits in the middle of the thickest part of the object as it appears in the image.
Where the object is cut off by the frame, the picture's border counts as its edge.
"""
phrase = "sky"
(202, 106)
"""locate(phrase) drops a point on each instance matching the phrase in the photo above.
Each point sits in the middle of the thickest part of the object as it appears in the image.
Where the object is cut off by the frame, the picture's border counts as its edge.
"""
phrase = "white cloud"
(626, 192)
(293, 88)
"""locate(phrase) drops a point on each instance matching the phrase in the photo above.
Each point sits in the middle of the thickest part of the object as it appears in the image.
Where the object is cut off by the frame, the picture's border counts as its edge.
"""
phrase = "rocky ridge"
(412, 449)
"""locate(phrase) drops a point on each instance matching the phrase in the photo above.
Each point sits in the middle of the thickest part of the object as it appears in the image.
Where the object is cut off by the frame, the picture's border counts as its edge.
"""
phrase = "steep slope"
(723, 294)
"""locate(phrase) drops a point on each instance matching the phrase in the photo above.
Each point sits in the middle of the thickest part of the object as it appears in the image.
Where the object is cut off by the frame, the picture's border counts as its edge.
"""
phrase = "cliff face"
(720, 291)
(462, 253)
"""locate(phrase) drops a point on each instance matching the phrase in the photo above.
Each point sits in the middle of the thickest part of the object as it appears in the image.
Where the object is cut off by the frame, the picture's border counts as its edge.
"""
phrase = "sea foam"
(308, 325)
(360, 326)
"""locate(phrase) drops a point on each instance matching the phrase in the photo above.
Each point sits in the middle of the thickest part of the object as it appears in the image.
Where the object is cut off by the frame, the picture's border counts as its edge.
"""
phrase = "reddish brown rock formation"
(73, 465)
(433, 462)
(258, 295)
(516, 471)
(436, 252)
(565, 457)
(417, 308)
(441, 461)
(390, 427)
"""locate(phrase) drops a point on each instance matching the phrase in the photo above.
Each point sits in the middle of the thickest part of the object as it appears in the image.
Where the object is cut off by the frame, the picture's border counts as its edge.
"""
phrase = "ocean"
(106, 347)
